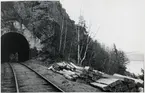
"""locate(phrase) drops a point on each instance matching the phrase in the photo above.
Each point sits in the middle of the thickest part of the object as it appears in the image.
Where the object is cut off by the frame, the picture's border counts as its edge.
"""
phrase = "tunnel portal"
(11, 43)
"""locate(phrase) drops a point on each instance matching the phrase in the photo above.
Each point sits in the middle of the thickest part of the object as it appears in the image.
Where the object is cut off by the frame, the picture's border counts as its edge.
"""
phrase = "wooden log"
(120, 88)
(99, 85)
(131, 85)
(136, 80)
(91, 74)
(117, 82)
(140, 85)
(133, 90)
(129, 80)
(125, 88)
(109, 81)
(78, 71)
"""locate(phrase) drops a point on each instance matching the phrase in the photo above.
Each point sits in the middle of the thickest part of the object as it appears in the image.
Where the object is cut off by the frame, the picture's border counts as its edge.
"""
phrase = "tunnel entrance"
(14, 43)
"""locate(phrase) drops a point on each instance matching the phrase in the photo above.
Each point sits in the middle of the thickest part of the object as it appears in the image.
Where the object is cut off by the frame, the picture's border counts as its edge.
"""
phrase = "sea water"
(135, 67)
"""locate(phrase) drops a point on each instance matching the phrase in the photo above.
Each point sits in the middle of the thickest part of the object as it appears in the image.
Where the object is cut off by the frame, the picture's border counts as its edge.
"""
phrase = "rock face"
(39, 21)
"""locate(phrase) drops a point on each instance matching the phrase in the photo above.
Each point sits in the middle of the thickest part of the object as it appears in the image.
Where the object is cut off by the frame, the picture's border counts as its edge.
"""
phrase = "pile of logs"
(117, 83)
(89, 75)
(112, 83)
(76, 73)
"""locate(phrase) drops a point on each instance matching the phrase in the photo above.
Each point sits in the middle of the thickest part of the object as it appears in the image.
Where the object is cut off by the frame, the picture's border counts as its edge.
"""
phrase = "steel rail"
(43, 77)
(15, 77)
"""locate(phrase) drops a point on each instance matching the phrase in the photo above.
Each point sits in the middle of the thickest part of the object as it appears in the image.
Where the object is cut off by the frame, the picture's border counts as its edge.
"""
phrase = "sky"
(112, 21)
(118, 21)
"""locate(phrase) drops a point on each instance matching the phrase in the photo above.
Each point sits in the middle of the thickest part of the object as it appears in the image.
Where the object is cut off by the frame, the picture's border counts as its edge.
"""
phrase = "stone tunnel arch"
(13, 42)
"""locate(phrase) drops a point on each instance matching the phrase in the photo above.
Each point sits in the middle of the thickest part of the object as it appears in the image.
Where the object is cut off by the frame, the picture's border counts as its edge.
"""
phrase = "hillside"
(52, 35)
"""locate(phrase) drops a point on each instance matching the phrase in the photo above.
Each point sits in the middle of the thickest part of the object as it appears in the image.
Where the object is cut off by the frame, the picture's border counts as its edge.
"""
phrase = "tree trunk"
(86, 49)
(69, 55)
(64, 44)
(61, 35)
(78, 32)
(84, 54)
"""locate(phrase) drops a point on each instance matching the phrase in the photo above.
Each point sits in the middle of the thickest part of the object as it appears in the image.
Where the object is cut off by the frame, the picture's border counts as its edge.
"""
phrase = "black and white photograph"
(72, 46)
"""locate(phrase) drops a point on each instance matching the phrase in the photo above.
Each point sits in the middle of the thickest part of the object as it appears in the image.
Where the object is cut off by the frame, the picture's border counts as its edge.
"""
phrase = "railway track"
(28, 80)
(7, 79)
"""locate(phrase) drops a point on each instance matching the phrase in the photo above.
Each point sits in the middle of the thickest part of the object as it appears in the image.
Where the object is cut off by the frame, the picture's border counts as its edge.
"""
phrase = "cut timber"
(131, 85)
(120, 88)
(136, 80)
(106, 84)
(129, 80)
(112, 76)
(102, 86)
(109, 81)
(77, 67)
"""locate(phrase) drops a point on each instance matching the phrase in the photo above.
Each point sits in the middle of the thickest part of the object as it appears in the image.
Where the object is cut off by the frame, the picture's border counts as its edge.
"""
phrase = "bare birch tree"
(78, 46)
(87, 44)
(80, 49)
(80, 24)
(84, 56)
(60, 43)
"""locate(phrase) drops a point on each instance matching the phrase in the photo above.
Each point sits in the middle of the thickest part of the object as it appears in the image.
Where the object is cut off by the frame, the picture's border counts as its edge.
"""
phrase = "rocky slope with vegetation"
(60, 38)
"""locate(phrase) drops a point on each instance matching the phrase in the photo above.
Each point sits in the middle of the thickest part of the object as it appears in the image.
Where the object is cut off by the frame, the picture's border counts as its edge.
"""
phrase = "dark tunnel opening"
(12, 43)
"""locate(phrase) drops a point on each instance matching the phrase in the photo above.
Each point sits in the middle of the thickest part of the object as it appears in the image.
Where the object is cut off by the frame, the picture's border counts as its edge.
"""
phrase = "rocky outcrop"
(39, 21)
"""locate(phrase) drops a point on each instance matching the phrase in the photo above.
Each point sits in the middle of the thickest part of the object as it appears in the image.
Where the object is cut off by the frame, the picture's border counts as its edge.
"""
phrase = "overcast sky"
(120, 21)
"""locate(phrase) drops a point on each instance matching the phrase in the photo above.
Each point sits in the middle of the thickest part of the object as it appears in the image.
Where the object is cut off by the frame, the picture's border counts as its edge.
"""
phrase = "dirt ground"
(60, 80)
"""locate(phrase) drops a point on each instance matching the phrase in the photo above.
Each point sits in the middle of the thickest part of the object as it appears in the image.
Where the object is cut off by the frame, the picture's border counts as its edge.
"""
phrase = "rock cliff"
(39, 21)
